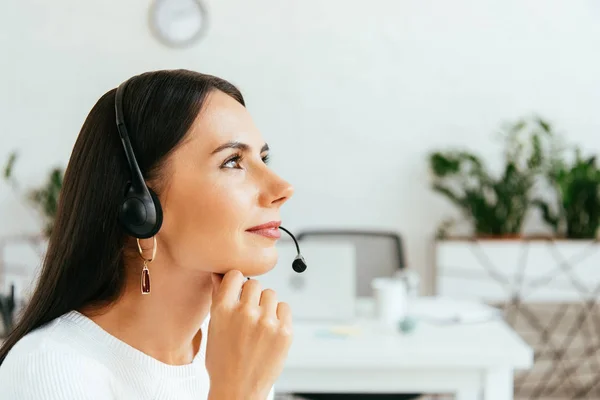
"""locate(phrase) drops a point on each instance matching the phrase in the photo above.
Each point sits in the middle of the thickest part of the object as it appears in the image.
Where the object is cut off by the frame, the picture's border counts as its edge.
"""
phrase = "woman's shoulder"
(57, 337)
(45, 363)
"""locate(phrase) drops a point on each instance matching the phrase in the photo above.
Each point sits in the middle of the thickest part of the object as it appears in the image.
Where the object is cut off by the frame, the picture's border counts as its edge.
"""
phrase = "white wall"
(351, 95)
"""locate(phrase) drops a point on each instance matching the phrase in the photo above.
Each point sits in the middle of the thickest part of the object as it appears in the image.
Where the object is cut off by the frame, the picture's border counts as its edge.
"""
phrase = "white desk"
(467, 359)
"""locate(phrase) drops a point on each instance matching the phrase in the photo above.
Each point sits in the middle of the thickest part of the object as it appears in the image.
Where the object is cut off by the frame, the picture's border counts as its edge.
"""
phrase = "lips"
(270, 229)
(268, 225)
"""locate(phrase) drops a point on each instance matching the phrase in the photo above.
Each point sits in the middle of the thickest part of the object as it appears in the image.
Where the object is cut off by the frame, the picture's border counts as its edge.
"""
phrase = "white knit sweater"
(73, 358)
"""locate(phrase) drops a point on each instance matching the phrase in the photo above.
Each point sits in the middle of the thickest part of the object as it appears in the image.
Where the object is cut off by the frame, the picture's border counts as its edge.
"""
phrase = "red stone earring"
(145, 283)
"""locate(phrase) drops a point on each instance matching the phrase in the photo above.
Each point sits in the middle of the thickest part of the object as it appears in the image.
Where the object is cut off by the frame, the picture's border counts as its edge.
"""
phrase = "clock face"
(178, 23)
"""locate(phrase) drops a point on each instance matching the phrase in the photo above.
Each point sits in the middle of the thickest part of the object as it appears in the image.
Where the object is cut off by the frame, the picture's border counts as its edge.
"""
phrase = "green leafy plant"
(495, 205)
(45, 198)
(575, 213)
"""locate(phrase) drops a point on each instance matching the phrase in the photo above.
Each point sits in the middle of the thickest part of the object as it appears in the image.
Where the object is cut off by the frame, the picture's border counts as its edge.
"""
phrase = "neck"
(165, 324)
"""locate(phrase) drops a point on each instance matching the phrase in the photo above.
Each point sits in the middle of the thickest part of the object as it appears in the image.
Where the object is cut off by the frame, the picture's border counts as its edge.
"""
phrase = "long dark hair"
(84, 263)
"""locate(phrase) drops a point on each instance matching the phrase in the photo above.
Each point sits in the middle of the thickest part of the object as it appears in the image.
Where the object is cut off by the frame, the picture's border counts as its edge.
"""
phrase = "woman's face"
(218, 187)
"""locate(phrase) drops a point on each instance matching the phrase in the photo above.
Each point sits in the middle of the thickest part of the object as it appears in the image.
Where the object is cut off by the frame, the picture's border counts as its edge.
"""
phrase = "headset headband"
(137, 179)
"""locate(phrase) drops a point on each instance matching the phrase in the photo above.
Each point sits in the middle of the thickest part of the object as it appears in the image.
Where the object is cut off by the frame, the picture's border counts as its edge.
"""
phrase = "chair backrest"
(378, 253)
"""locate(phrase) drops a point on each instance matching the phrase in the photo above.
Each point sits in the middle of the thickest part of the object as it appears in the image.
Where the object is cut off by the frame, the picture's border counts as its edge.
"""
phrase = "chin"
(262, 262)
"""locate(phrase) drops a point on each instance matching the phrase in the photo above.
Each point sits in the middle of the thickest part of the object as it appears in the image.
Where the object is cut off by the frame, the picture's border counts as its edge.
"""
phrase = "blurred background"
(362, 104)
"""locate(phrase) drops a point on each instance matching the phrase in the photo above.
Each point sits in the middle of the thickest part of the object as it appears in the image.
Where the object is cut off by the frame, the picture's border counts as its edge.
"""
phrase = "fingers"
(250, 292)
(284, 314)
(228, 291)
(232, 288)
(268, 302)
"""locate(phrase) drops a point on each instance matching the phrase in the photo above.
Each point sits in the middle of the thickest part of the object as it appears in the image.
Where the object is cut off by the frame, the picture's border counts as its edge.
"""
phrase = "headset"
(140, 213)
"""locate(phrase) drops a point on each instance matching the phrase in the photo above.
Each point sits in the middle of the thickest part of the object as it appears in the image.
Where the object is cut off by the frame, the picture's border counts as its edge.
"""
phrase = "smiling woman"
(88, 332)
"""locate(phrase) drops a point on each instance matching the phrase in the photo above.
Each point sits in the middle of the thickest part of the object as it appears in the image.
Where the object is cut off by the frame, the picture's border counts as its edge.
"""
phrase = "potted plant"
(539, 268)
(574, 212)
(495, 205)
(542, 283)
(28, 248)
(45, 198)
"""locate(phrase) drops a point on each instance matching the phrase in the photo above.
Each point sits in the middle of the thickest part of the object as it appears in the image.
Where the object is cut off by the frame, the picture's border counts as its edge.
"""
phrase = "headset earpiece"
(140, 213)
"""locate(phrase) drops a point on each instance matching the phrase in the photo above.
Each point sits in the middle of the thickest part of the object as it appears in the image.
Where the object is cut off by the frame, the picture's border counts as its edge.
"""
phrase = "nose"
(278, 191)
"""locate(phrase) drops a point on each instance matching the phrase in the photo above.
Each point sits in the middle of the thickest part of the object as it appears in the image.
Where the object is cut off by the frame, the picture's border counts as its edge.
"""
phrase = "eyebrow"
(238, 145)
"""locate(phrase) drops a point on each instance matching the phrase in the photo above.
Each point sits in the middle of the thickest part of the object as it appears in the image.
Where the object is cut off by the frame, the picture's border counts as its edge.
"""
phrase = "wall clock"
(178, 23)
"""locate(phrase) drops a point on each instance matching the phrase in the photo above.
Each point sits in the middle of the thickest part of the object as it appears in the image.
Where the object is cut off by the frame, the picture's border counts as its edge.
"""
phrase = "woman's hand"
(249, 336)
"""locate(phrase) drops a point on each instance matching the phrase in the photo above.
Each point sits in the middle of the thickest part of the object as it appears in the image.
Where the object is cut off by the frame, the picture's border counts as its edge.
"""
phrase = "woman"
(115, 316)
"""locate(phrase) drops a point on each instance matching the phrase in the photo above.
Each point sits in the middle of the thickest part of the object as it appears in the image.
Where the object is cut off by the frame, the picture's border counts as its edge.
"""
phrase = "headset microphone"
(299, 264)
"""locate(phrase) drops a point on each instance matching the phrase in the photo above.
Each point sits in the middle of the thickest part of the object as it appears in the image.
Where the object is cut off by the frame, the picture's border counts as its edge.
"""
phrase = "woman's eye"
(233, 162)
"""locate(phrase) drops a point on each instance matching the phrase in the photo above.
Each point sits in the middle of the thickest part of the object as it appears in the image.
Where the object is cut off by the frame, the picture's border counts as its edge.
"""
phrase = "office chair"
(378, 253)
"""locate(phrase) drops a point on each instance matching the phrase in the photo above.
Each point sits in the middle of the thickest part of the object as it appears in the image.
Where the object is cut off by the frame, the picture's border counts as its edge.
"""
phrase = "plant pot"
(539, 269)
(508, 236)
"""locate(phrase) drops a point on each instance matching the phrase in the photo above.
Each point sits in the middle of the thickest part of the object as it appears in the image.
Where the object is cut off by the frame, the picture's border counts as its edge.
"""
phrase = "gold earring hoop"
(145, 281)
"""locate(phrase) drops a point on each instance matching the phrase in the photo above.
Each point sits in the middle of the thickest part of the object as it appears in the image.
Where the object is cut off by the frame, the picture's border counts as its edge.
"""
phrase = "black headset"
(140, 212)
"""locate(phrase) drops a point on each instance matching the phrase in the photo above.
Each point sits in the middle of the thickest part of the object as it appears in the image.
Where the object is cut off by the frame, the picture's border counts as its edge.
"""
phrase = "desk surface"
(469, 345)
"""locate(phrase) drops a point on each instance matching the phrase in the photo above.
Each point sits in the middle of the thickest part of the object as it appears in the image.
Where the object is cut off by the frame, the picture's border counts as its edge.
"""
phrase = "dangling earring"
(145, 283)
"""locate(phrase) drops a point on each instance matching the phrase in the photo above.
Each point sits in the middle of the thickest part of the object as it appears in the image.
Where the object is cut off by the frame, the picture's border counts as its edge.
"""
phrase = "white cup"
(391, 300)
